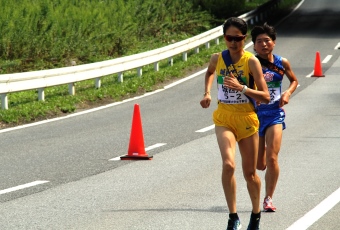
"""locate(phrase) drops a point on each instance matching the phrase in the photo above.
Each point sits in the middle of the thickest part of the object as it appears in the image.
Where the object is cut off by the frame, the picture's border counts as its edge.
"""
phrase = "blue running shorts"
(270, 117)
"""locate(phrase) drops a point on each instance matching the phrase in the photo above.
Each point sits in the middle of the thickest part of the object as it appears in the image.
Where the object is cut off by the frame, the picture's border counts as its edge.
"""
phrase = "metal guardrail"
(42, 79)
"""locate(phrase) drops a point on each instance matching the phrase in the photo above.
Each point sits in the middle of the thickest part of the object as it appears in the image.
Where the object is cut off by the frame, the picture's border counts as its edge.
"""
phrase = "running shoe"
(234, 224)
(268, 205)
(254, 224)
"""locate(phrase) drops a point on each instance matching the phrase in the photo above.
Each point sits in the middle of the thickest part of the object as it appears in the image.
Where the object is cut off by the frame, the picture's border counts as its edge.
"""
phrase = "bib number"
(229, 96)
(274, 89)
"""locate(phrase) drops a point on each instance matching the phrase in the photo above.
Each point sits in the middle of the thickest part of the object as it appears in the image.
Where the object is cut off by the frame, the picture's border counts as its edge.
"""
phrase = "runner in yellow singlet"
(239, 82)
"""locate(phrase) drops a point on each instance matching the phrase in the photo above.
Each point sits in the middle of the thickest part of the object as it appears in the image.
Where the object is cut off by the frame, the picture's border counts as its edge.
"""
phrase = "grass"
(24, 107)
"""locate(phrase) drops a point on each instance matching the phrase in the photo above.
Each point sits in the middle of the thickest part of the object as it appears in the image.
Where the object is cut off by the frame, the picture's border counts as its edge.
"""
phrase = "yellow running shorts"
(242, 124)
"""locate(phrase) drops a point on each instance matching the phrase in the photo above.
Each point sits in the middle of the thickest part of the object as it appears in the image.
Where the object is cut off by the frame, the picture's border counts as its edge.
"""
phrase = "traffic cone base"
(136, 149)
(317, 66)
(130, 157)
(318, 75)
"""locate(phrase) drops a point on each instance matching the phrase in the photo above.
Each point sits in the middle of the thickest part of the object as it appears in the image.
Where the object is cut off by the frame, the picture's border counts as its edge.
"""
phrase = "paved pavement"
(180, 188)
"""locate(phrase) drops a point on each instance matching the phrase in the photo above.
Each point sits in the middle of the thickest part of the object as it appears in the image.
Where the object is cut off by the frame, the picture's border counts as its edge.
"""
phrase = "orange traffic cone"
(317, 66)
(136, 147)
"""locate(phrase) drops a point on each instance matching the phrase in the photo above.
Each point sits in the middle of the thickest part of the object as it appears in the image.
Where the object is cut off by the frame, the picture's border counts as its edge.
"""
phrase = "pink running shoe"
(268, 205)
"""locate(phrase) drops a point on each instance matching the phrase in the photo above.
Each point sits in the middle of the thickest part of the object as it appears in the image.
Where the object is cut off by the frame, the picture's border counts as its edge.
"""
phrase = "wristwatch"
(244, 89)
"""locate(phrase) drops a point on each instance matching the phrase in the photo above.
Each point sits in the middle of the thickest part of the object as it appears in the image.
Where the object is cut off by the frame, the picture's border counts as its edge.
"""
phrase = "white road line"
(316, 213)
(251, 43)
(327, 59)
(310, 75)
(337, 46)
(298, 6)
(154, 146)
(146, 149)
(34, 183)
(205, 129)
(248, 45)
(185, 79)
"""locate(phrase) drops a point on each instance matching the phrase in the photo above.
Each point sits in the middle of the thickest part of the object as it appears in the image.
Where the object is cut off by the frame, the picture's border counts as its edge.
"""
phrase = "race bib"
(229, 96)
(274, 89)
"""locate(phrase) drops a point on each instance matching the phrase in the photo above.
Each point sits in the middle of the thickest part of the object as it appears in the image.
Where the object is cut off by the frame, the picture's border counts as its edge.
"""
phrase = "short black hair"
(237, 22)
(265, 29)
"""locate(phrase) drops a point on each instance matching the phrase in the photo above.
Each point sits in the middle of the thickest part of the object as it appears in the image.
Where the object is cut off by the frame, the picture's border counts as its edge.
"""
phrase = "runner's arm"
(261, 94)
(209, 77)
(293, 82)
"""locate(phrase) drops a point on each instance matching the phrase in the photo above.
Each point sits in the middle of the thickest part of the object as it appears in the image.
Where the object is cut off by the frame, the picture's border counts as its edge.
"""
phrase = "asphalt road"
(60, 174)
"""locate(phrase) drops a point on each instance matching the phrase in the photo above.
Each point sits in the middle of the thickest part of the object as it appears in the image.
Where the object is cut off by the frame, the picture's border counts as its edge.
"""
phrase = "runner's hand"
(284, 99)
(231, 82)
(205, 102)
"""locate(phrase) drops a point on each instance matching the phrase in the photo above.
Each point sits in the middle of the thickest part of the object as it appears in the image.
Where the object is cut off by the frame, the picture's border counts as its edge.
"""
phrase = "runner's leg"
(261, 159)
(273, 140)
(227, 144)
(249, 150)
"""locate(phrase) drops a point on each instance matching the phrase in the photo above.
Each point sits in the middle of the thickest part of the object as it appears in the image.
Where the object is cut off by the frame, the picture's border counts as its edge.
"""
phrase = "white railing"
(69, 75)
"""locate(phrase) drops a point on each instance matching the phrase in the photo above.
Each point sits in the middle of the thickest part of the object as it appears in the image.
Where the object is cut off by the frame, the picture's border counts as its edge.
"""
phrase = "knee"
(271, 161)
(250, 177)
(228, 168)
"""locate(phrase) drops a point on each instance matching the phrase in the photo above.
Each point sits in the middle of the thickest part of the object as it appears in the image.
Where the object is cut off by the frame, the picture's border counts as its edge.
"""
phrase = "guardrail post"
(120, 77)
(139, 72)
(41, 94)
(217, 41)
(4, 101)
(185, 56)
(97, 83)
(207, 45)
(71, 89)
(197, 50)
(156, 66)
(171, 61)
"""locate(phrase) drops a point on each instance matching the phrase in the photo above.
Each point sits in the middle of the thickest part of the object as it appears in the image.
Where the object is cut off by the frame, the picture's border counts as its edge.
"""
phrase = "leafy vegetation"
(43, 34)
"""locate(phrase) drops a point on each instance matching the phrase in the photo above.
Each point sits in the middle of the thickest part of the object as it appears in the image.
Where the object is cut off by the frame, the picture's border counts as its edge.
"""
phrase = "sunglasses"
(234, 38)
